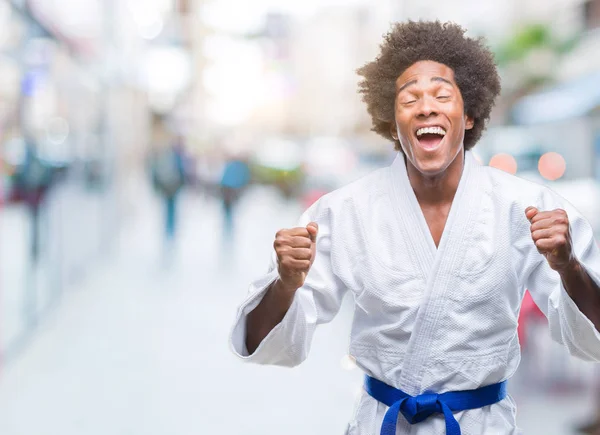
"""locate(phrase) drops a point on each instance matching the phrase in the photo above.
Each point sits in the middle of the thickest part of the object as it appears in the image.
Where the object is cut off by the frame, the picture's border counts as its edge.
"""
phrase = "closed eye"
(443, 97)
(409, 102)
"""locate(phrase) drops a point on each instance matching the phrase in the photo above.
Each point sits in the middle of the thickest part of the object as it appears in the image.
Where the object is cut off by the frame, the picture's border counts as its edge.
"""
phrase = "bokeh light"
(504, 162)
(552, 166)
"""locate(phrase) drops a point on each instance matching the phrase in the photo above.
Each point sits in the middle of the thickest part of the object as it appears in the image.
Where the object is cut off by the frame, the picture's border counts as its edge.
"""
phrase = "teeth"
(431, 130)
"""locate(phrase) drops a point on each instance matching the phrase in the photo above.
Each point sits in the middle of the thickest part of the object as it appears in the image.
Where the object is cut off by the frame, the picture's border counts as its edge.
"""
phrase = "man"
(235, 178)
(32, 182)
(437, 251)
(168, 178)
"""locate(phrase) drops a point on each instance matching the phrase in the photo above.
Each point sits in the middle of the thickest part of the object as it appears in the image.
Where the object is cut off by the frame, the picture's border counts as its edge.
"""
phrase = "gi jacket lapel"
(435, 263)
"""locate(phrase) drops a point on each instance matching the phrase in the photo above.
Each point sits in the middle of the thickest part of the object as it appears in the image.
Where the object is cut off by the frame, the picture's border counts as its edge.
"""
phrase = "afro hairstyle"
(473, 64)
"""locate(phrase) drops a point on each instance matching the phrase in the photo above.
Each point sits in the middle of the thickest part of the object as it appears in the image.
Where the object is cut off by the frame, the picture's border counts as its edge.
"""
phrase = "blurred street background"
(149, 151)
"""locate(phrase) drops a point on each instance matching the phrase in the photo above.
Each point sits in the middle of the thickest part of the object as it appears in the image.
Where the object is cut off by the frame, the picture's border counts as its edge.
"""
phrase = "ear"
(469, 122)
(393, 131)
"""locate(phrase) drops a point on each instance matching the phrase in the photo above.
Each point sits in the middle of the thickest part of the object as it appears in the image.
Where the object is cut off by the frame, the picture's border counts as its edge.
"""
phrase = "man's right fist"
(295, 250)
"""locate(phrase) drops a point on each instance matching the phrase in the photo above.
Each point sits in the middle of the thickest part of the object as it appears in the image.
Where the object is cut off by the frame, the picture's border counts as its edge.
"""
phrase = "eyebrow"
(433, 79)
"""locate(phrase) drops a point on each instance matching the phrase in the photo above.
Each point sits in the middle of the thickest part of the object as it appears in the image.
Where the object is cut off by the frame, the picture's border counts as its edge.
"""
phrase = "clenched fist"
(295, 250)
(552, 236)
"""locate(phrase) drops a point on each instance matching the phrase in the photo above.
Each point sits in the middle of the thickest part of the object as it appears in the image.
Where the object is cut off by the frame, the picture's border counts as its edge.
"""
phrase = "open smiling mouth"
(430, 137)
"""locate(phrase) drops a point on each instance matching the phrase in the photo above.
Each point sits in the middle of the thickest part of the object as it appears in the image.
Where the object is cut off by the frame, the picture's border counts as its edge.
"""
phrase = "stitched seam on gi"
(494, 354)
(417, 249)
(378, 353)
(470, 235)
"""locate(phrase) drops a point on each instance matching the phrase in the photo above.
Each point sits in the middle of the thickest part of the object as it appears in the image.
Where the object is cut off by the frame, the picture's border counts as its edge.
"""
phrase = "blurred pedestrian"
(169, 177)
(235, 178)
(32, 181)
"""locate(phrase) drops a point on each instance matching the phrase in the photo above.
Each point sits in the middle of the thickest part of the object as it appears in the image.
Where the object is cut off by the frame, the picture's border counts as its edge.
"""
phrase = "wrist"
(573, 267)
(283, 287)
(280, 299)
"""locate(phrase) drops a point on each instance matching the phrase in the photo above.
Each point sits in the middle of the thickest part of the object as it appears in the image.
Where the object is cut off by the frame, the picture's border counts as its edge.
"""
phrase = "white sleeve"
(316, 302)
(568, 325)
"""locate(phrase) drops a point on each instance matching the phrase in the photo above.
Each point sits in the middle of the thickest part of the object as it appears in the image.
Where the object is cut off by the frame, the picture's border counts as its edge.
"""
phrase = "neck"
(439, 188)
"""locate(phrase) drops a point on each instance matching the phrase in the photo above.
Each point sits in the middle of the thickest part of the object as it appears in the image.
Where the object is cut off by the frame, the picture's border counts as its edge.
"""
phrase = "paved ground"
(140, 346)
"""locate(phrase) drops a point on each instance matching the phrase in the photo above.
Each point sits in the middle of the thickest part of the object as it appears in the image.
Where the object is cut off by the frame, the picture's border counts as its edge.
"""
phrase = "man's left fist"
(552, 236)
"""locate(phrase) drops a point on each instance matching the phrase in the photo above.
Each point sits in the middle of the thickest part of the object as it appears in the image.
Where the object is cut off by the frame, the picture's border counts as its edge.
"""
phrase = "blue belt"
(416, 409)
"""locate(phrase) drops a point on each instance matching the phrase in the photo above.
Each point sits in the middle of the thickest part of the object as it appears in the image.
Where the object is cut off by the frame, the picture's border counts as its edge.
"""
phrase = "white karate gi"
(429, 319)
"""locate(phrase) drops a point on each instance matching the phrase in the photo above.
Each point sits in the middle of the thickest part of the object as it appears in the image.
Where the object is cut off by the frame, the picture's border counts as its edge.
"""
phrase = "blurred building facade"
(75, 93)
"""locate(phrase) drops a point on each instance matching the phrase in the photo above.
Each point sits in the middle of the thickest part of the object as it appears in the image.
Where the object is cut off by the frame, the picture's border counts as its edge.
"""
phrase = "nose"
(426, 107)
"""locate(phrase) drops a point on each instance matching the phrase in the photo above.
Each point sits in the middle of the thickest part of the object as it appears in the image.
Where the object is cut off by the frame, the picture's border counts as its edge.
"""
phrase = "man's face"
(430, 118)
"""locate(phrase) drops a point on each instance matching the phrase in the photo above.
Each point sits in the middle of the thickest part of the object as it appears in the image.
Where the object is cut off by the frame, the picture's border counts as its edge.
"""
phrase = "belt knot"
(418, 408)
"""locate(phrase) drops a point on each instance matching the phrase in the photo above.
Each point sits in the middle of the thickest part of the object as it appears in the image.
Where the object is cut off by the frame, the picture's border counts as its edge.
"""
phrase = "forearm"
(583, 291)
(268, 314)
